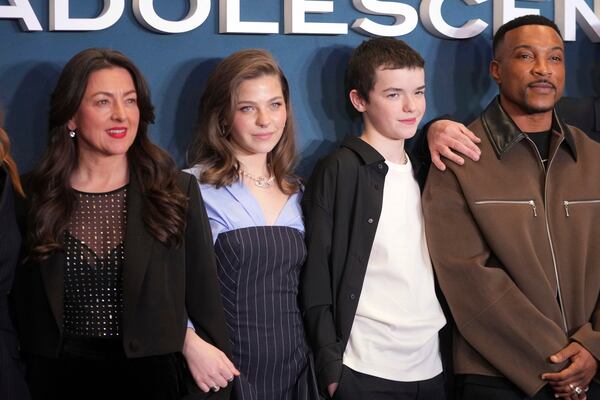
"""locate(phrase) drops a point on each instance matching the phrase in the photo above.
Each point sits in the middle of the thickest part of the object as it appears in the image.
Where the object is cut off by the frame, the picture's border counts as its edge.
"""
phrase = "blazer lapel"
(53, 276)
(138, 248)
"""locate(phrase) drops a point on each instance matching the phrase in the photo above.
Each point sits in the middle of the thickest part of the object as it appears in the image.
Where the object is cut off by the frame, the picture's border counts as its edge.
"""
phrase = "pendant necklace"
(260, 181)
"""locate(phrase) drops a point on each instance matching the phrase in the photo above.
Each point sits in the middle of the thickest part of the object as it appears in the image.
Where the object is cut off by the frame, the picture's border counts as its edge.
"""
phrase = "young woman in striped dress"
(243, 158)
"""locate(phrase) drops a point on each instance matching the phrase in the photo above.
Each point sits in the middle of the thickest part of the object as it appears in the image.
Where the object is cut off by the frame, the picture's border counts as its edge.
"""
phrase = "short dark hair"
(372, 54)
(522, 21)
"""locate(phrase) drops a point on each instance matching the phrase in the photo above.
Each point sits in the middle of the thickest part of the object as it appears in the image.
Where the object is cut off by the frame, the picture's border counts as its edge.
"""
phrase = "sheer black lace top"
(93, 297)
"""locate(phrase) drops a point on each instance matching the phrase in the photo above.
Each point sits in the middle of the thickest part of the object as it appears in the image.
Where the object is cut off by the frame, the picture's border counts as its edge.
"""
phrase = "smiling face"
(529, 69)
(396, 103)
(259, 116)
(107, 119)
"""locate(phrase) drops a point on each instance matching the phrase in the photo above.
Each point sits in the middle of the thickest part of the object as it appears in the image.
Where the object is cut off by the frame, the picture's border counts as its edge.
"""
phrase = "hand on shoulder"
(448, 139)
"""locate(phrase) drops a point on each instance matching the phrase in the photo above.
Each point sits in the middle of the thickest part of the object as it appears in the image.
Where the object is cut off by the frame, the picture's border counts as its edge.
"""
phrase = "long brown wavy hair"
(7, 160)
(53, 199)
(212, 147)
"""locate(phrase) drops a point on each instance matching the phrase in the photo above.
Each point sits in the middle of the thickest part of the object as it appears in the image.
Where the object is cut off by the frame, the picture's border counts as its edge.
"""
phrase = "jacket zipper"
(528, 202)
(546, 169)
(567, 203)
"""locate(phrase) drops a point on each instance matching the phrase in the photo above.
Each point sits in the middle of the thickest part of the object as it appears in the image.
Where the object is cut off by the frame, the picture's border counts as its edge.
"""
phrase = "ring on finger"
(230, 379)
(578, 390)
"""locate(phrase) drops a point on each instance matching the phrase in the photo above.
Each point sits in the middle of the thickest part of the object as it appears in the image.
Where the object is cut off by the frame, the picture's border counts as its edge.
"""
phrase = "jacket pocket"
(529, 203)
(571, 203)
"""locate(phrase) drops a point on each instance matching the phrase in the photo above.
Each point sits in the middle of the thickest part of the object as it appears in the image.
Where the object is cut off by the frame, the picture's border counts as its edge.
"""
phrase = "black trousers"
(101, 371)
(479, 387)
(354, 385)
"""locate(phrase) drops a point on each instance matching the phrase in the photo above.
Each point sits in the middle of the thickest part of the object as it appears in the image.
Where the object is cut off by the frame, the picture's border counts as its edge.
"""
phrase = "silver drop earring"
(72, 133)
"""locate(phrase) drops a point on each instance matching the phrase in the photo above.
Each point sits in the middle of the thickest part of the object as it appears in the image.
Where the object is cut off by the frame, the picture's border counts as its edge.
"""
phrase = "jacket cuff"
(330, 373)
(419, 145)
(588, 338)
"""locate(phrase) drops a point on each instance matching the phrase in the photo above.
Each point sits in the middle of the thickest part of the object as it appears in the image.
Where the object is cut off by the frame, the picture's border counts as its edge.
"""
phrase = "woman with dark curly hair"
(118, 250)
(244, 158)
(12, 382)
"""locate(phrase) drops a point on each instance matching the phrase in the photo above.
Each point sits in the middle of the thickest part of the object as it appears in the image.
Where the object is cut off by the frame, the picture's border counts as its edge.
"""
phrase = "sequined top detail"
(93, 302)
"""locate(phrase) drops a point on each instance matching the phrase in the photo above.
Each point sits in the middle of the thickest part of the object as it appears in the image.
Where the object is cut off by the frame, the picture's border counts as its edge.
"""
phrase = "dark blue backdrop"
(177, 66)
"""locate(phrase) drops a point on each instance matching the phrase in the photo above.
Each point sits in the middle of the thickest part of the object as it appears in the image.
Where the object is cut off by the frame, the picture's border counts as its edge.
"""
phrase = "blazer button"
(352, 296)
(134, 345)
(370, 220)
(380, 166)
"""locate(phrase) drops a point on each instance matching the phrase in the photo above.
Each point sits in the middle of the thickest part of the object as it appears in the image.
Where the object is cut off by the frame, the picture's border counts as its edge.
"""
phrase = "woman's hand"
(210, 367)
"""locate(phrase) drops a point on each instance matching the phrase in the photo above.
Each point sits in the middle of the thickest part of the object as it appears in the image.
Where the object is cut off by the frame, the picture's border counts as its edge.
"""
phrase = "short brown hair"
(382, 52)
(212, 146)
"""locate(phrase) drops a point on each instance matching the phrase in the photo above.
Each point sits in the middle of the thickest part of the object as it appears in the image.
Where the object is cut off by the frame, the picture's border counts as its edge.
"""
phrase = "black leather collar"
(504, 133)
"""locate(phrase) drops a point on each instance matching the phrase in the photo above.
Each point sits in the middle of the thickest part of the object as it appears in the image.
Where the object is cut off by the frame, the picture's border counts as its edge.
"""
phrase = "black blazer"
(162, 287)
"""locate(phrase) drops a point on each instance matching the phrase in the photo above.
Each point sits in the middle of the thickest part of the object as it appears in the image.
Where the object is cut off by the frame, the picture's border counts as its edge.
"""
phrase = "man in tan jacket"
(512, 237)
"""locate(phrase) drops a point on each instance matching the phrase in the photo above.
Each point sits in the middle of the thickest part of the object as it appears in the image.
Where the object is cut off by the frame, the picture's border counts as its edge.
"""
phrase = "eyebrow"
(393, 89)
(529, 47)
(254, 102)
(111, 94)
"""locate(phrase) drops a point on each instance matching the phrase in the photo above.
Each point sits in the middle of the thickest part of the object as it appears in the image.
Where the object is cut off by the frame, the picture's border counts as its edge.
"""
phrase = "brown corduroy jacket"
(515, 246)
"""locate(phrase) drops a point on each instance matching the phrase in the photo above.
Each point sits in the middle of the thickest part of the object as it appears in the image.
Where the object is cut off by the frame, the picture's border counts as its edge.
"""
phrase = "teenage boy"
(371, 311)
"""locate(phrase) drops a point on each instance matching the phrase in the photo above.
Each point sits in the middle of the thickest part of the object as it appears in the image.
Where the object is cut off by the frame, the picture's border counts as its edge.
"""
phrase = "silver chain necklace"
(260, 181)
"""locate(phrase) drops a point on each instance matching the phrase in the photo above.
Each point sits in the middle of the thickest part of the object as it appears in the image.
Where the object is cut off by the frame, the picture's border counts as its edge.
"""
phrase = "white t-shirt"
(395, 330)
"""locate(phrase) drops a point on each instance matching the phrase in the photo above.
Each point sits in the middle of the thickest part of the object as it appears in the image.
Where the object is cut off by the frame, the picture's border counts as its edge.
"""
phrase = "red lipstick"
(117, 132)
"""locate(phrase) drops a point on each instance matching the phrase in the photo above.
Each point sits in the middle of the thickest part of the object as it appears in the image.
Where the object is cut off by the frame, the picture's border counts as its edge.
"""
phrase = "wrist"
(191, 339)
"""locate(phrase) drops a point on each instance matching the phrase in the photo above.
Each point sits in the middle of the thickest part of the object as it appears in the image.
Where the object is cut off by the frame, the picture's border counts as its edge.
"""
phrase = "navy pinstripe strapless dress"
(259, 270)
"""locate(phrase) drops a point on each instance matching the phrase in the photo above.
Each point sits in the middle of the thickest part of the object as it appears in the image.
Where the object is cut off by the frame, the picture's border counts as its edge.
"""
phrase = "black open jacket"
(342, 205)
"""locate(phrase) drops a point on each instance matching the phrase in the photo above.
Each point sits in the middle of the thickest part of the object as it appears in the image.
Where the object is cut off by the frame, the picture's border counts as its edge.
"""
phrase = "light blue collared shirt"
(234, 207)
